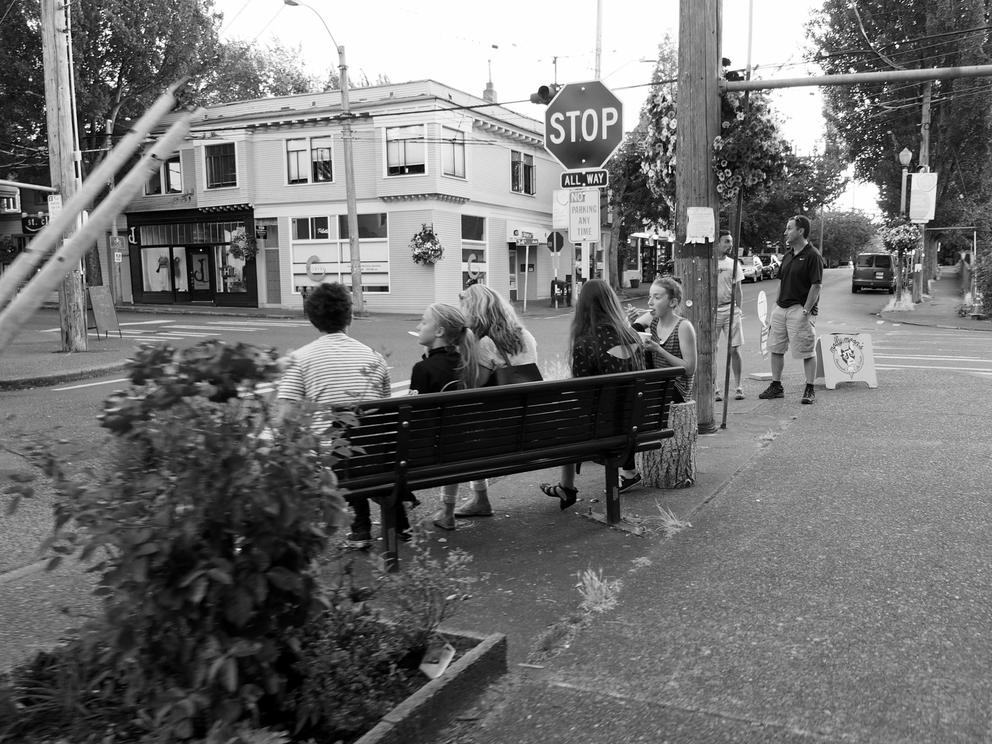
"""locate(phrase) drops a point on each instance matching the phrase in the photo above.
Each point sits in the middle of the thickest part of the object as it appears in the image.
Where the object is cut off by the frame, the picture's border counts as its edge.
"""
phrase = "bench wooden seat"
(422, 441)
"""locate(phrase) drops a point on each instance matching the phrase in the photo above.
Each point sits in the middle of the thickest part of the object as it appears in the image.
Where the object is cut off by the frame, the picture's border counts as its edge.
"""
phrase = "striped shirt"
(334, 370)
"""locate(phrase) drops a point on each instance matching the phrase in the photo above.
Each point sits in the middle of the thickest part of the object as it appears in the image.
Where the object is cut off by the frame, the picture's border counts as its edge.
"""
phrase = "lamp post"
(357, 298)
(905, 158)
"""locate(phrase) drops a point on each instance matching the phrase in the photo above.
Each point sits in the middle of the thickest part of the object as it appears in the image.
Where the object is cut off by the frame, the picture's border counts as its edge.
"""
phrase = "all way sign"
(585, 179)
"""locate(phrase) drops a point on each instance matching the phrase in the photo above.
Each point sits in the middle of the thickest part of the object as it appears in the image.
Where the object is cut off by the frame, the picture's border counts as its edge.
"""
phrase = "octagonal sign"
(583, 125)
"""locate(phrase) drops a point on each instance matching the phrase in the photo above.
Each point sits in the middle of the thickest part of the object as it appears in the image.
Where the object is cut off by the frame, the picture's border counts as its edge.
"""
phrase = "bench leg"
(612, 491)
(388, 517)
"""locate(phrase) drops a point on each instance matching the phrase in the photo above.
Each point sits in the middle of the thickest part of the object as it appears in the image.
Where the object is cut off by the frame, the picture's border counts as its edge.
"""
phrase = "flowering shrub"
(243, 246)
(749, 150)
(425, 247)
(901, 238)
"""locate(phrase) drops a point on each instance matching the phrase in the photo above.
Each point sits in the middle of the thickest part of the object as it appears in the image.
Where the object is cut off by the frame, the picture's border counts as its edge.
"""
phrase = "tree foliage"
(845, 234)
(875, 121)
(126, 52)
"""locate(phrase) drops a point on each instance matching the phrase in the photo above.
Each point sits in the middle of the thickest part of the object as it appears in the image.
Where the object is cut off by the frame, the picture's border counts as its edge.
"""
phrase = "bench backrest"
(501, 428)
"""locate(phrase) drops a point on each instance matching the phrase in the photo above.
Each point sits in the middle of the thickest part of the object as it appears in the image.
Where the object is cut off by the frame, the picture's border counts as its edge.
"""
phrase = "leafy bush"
(210, 540)
(205, 537)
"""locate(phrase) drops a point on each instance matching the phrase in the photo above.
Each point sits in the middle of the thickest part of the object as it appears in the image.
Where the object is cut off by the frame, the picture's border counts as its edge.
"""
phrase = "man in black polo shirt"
(794, 312)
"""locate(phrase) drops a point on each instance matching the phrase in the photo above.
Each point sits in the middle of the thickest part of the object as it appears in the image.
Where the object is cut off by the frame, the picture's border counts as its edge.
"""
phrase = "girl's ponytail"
(457, 334)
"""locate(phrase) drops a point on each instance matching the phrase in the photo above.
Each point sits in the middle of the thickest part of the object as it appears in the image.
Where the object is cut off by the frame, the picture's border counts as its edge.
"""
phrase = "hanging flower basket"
(425, 247)
(242, 246)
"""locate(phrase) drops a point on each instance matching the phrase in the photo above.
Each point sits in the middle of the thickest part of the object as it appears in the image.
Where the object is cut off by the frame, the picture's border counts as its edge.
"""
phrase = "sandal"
(627, 483)
(565, 495)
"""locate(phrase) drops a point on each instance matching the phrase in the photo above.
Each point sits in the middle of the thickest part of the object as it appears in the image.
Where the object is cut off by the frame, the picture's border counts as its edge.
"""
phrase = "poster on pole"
(763, 319)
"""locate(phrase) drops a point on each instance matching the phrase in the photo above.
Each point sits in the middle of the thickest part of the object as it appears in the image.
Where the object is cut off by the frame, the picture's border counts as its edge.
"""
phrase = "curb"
(20, 383)
(427, 711)
(888, 317)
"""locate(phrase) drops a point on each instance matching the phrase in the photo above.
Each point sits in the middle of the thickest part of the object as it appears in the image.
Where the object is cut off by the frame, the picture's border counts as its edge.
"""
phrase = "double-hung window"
(309, 160)
(168, 179)
(522, 172)
(453, 152)
(405, 151)
(221, 165)
(321, 167)
(296, 161)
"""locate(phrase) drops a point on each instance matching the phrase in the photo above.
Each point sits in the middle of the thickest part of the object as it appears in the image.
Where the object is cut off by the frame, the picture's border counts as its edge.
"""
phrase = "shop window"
(405, 152)
(310, 228)
(522, 172)
(453, 153)
(221, 165)
(369, 226)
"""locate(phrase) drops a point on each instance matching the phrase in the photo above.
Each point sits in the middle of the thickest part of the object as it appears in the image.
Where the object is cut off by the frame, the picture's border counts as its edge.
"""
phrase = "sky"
(526, 43)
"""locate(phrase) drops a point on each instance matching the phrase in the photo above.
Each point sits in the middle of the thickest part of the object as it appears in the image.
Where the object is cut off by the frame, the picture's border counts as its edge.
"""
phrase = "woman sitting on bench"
(600, 343)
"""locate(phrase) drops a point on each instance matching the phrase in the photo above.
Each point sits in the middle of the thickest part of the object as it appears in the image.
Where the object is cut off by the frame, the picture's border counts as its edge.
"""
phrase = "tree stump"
(673, 465)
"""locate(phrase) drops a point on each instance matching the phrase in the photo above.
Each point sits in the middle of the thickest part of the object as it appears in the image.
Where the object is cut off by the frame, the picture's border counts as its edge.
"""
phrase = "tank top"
(683, 383)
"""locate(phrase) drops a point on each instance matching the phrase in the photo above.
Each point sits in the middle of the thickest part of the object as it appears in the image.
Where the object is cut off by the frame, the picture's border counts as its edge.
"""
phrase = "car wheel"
(854, 289)
(892, 290)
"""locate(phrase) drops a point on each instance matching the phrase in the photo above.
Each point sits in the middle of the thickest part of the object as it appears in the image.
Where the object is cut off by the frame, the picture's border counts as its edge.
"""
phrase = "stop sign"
(583, 125)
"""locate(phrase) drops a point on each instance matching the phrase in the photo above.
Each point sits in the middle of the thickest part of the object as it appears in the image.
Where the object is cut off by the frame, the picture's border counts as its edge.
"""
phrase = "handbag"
(512, 375)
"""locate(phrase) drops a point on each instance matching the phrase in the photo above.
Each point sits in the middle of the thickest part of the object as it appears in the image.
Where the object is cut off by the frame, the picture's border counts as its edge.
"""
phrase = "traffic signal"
(544, 94)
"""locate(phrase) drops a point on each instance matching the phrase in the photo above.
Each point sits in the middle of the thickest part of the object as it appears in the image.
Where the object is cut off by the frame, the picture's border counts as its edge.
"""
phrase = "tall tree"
(875, 121)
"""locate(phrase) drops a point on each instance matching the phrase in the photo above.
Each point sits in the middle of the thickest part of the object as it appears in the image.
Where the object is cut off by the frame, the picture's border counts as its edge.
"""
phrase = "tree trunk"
(674, 464)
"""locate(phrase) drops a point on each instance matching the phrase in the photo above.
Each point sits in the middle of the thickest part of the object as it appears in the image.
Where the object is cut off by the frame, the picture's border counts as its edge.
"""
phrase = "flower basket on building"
(243, 246)
(425, 247)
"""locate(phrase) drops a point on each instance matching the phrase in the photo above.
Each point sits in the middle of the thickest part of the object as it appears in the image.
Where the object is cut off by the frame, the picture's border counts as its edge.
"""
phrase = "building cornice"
(501, 130)
(425, 197)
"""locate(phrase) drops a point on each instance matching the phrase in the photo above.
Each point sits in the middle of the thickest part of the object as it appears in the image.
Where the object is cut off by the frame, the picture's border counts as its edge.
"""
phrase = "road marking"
(921, 357)
(144, 322)
(90, 384)
(925, 366)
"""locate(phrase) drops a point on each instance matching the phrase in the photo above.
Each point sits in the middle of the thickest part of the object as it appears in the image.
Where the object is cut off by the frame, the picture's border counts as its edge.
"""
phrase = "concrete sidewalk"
(842, 600)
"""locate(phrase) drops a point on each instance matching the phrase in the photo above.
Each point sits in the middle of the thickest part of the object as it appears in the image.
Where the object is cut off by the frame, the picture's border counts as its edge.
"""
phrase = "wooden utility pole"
(695, 183)
(55, 41)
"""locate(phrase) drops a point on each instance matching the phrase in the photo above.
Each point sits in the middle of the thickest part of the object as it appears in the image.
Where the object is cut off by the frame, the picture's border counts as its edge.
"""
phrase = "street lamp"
(905, 158)
(357, 299)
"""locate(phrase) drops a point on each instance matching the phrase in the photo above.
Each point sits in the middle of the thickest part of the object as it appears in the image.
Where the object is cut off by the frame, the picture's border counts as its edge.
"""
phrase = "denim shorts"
(790, 328)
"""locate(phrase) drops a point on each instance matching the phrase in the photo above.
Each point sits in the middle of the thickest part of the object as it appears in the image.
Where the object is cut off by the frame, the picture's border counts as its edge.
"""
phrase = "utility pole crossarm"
(853, 78)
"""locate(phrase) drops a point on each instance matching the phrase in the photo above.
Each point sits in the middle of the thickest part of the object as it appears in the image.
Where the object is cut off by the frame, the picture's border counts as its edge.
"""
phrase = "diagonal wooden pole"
(49, 277)
(22, 269)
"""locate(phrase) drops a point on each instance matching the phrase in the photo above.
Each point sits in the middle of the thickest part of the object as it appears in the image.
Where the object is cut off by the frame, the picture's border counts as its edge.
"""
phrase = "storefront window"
(157, 269)
(230, 271)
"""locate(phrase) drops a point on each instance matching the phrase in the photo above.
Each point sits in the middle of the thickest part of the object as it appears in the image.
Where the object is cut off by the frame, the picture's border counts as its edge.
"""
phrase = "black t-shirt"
(438, 371)
(799, 272)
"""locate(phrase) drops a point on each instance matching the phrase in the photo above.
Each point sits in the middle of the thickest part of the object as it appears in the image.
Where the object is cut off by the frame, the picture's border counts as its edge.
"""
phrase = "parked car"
(874, 271)
(770, 264)
(752, 268)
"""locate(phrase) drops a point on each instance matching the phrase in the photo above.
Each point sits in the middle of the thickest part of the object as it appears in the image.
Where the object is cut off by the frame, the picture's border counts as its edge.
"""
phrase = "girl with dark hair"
(451, 363)
(601, 342)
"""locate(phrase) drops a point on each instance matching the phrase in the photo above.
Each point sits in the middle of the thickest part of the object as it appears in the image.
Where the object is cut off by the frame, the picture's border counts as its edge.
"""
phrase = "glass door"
(199, 273)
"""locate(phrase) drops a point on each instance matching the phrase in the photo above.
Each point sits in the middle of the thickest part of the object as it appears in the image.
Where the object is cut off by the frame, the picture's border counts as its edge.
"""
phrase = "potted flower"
(242, 246)
(425, 247)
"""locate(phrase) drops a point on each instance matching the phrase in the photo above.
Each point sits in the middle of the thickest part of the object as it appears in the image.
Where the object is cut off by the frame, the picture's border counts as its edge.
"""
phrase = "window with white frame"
(168, 179)
(296, 161)
(308, 160)
(10, 202)
(522, 172)
(452, 152)
(321, 167)
(474, 259)
(405, 151)
(221, 165)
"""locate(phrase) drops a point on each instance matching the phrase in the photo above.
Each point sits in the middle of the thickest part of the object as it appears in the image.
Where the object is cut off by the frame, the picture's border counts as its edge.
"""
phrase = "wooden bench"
(423, 441)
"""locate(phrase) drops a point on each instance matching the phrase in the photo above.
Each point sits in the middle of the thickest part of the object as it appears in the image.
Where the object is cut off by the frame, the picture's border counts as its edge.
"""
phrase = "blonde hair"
(489, 314)
(456, 333)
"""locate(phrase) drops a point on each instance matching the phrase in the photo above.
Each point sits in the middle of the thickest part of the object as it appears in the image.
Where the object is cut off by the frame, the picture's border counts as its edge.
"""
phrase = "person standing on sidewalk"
(794, 313)
(728, 287)
(336, 370)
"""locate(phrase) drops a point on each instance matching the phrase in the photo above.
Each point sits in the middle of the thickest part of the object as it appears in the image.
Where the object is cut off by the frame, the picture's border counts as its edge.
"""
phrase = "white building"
(424, 154)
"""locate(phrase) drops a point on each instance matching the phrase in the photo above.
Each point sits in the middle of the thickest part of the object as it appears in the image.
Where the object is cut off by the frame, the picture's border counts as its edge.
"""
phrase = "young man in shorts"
(728, 286)
(794, 314)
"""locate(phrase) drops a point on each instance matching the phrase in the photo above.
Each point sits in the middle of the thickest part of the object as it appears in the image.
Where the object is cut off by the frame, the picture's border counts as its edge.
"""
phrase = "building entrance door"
(200, 272)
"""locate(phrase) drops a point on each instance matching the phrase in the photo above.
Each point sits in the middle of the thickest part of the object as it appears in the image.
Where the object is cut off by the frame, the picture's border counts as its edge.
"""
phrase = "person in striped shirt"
(335, 370)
